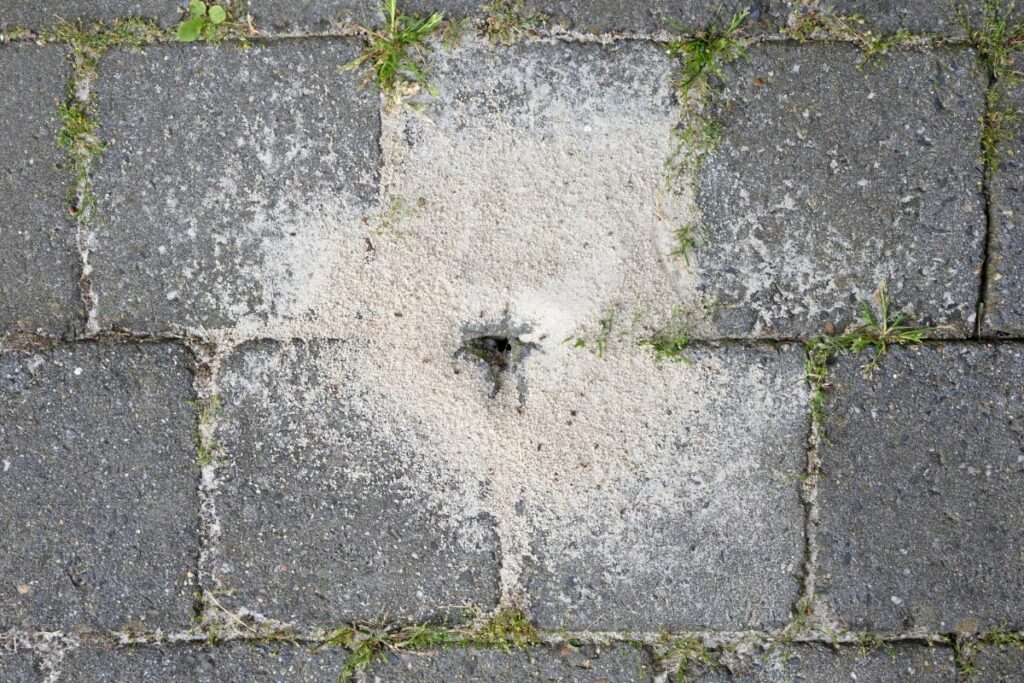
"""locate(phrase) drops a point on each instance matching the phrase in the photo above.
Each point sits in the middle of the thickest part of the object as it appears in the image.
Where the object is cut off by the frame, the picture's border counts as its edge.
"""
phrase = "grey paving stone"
(207, 148)
(41, 14)
(645, 16)
(883, 664)
(18, 667)
(99, 507)
(1004, 307)
(998, 665)
(685, 555)
(315, 16)
(196, 663)
(830, 180)
(328, 517)
(39, 280)
(921, 17)
(616, 664)
(922, 521)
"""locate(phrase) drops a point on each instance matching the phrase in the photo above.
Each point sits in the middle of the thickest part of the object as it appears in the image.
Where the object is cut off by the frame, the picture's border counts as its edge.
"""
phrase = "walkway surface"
(567, 368)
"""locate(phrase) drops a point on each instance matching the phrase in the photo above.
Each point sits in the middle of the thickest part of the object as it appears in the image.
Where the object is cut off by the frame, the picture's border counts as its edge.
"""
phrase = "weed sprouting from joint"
(813, 21)
(997, 40)
(702, 58)
(509, 21)
(668, 342)
(395, 60)
(878, 330)
(684, 653)
(208, 449)
(508, 630)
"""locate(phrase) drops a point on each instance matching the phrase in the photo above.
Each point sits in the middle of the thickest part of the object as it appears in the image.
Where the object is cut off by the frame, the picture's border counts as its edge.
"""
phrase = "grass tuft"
(879, 328)
(702, 58)
(815, 22)
(669, 342)
(395, 60)
(684, 654)
(509, 21)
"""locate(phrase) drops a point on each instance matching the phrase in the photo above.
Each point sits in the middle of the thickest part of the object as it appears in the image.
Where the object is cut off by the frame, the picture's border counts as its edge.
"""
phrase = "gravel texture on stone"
(99, 511)
(18, 667)
(830, 180)
(41, 265)
(887, 663)
(619, 664)
(998, 664)
(1004, 305)
(206, 147)
(195, 663)
(44, 14)
(922, 518)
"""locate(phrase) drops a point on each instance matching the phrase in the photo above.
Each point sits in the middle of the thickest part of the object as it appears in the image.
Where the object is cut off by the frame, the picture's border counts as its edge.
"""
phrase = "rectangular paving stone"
(212, 153)
(99, 507)
(39, 280)
(43, 14)
(198, 663)
(612, 16)
(830, 180)
(994, 664)
(886, 663)
(921, 512)
(327, 516)
(920, 17)
(712, 537)
(1004, 307)
(588, 17)
(618, 663)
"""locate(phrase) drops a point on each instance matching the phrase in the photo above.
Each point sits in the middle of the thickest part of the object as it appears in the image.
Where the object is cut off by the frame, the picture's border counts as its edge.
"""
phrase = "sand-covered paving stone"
(209, 152)
(39, 278)
(326, 513)
(933, 437)
(831, 180)
(570, 665)
(99, 509)
(479, 357)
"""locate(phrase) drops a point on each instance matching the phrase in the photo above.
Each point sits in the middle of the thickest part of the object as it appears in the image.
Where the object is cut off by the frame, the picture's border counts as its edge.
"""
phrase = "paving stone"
(196, 663)
(323, 511)
(39, 280)
(315, 16)
(921, 512)
(617, 664)
(830, 180)
(684, 554)
(920, 17)
(41, 14)
(998, 665)
(645, 16)
(99, 511)
(18, 667)
(1004, 307)
(890, 663)
(206, 147)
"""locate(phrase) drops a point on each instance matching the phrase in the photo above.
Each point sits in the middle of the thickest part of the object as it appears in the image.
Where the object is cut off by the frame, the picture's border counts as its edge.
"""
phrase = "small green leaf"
(188, 31)
(217, 14)
(197, 8)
